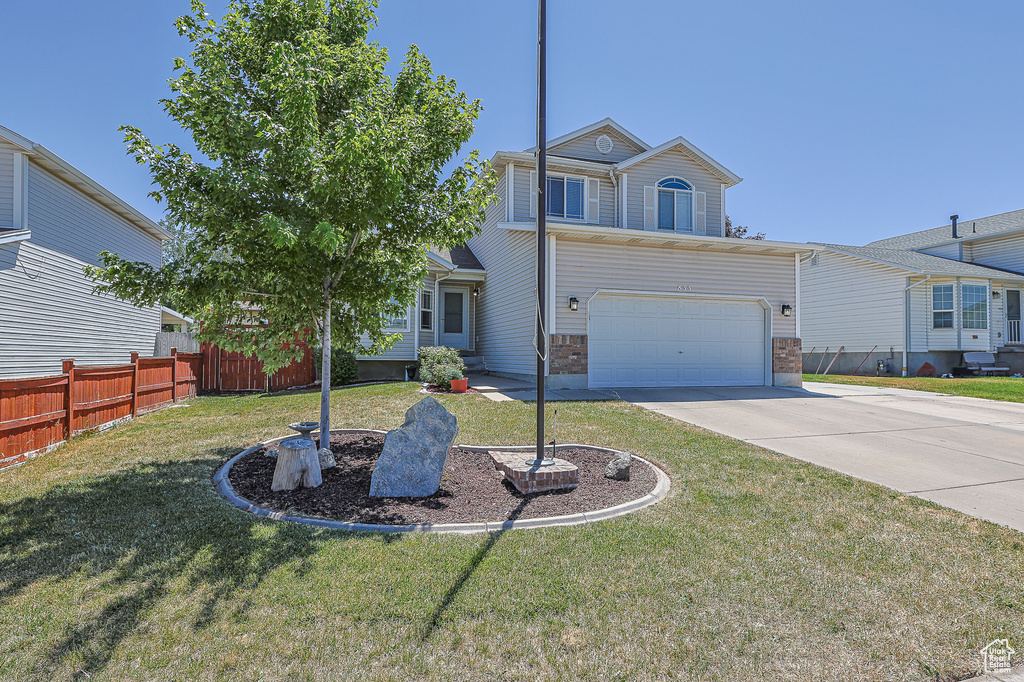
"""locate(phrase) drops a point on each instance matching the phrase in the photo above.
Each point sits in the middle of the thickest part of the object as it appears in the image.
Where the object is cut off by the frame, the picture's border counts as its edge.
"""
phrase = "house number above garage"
(684, 287)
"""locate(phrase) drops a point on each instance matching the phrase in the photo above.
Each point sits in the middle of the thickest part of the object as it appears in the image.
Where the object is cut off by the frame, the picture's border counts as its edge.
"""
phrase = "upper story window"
(565, 197)
(675, 205)
(942, 306)
(974, 302)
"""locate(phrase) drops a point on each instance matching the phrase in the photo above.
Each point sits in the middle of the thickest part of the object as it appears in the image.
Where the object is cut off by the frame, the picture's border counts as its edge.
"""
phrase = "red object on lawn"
(460, 385)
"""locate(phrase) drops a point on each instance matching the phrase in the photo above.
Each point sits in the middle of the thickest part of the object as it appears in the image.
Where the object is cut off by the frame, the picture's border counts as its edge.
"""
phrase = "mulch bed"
(438, 389)
(471, 489)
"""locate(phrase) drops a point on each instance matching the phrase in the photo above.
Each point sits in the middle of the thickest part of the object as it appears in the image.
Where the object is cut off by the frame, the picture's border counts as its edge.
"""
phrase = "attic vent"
(604, 144)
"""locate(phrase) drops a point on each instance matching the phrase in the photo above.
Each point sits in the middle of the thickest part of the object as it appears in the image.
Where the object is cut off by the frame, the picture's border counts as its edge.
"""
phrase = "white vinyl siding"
(850, 302)
(6, 186)
(585, 147)
(48, 312)
(505, 307)
(584, 267)
(64, 219)
(673, 163)
(950, 251)
(1006, 252)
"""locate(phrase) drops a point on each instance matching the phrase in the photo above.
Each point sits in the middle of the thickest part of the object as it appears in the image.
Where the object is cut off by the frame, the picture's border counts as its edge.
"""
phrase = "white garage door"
(638, 340)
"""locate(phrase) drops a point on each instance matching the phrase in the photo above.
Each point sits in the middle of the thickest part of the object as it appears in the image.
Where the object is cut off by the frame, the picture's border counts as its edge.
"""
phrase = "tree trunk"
(325, 377)
(297, 464)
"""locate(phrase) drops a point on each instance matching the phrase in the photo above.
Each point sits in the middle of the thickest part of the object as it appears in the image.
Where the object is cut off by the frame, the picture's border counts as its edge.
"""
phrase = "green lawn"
(118, 561)
(993, 388)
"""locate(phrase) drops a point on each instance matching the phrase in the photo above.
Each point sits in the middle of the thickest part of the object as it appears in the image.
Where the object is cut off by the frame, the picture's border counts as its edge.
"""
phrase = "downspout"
(615, 193)
(437, 304)
(906, 318)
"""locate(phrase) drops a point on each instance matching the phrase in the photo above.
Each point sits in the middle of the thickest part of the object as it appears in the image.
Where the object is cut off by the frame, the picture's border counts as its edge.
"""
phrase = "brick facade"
(787, 357)
(567, 354)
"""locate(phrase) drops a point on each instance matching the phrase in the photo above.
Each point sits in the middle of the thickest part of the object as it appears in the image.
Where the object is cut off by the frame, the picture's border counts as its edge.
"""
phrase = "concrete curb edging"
(661, 488)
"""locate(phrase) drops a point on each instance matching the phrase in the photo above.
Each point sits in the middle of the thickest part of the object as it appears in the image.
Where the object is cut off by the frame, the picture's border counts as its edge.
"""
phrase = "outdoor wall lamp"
(574, 303)
(996, 295)
(476, 292)
(787, 310)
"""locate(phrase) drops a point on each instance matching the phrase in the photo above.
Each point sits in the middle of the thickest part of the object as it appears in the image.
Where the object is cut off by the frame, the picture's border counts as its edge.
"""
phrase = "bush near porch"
(118, 561)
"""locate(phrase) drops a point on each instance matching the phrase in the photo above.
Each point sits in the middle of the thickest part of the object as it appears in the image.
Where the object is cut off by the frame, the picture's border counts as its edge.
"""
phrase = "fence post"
(174, 375)
(68, 367)
(135, 382)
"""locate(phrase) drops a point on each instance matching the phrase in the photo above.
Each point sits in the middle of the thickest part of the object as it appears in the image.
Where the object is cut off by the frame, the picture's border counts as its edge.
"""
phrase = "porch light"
(787, 310)
(996, 295)
(574, 303)
(476, 292)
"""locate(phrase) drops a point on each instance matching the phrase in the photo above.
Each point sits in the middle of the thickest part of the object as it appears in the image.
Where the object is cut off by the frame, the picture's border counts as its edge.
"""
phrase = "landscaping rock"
(414, 454)
(618, 469)
(326, 458)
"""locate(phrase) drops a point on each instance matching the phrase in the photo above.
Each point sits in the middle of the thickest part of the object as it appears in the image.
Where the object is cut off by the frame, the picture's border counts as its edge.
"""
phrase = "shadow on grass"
(135, 531)
(435, 618)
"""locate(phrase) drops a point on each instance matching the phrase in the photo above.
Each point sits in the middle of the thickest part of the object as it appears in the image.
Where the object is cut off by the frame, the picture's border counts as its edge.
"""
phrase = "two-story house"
(644, 288)
(926, 296)
(54, 220)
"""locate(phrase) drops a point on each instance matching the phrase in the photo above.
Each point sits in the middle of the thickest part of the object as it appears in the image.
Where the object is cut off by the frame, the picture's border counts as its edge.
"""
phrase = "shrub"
(439, 365)
(344, 366)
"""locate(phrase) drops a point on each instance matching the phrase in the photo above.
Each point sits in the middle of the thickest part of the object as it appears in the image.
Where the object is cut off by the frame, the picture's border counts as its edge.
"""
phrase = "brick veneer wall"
(567, 354)
(787, 357)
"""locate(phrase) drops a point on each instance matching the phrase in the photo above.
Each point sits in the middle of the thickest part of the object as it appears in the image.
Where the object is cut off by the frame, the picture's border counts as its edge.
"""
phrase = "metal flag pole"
(542, 168)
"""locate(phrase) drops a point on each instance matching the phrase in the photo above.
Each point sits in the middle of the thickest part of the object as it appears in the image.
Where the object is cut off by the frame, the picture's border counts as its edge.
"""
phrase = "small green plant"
(440, 364)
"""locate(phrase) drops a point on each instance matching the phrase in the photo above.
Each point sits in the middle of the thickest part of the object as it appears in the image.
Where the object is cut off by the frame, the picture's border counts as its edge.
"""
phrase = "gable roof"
(587, 129)
(460, 257)
(921, 263)
(82, 182)
(681, 143)
(969, 230)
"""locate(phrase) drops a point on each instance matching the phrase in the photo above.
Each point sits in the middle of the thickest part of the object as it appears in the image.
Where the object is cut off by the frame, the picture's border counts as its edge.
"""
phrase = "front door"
(1013, 316)
(454, 318)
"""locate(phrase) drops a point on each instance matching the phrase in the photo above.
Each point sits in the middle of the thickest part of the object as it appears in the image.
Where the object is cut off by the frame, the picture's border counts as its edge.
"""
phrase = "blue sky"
(848, 121)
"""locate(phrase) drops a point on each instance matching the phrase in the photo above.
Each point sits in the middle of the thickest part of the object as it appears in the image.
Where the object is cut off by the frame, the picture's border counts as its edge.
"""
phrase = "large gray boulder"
(414, 454)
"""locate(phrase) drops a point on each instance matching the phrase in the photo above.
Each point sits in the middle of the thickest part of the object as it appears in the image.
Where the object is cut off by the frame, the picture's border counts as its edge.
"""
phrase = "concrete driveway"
(964, 453)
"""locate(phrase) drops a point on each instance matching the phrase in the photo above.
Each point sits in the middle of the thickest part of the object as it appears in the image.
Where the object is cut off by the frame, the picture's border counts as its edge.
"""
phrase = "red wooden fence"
(39, 413)
(229, 372)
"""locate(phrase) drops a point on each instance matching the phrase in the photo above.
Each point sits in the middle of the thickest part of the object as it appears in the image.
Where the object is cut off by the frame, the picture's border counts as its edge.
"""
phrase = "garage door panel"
(638, 340)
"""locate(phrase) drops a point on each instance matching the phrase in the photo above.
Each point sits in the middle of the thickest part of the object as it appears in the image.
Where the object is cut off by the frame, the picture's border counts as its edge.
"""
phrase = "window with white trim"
(675, 205)
(426, 311)
(565, 197)
(942, 306)
(974, 306)
(398, 323)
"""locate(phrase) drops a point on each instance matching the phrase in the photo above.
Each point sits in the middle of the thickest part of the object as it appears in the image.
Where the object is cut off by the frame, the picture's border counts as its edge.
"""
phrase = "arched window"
(675, 205)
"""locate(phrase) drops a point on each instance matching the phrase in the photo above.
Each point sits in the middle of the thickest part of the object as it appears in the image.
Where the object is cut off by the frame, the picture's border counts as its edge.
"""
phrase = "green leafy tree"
(318, 187)
(740, 231)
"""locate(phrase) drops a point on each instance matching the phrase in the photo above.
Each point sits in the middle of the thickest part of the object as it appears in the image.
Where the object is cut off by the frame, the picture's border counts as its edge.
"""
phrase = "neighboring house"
(926, 296)
(54, 220)
(644, 289)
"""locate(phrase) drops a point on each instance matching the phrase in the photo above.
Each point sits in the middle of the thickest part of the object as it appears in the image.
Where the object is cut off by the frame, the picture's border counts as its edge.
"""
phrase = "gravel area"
(471, 489)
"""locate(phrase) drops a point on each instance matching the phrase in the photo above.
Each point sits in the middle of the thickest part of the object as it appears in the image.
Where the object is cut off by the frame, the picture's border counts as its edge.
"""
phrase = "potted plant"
(460, 383)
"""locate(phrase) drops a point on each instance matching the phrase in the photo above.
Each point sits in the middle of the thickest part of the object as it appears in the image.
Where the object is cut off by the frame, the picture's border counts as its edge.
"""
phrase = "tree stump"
(297, 464)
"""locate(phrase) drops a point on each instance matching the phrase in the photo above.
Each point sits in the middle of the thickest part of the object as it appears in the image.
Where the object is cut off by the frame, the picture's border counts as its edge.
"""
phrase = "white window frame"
(951, 309)
(390, 326)
(692, 192)
(963, 305)
(427, 309)
(586, 196)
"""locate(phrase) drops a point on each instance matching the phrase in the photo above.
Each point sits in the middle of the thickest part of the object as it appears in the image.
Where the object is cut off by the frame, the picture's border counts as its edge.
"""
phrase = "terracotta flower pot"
(460, 385)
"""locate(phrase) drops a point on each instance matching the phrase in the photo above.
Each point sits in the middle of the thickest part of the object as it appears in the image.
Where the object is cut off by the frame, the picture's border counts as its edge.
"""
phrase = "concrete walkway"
(964, 453)
(500, 389)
